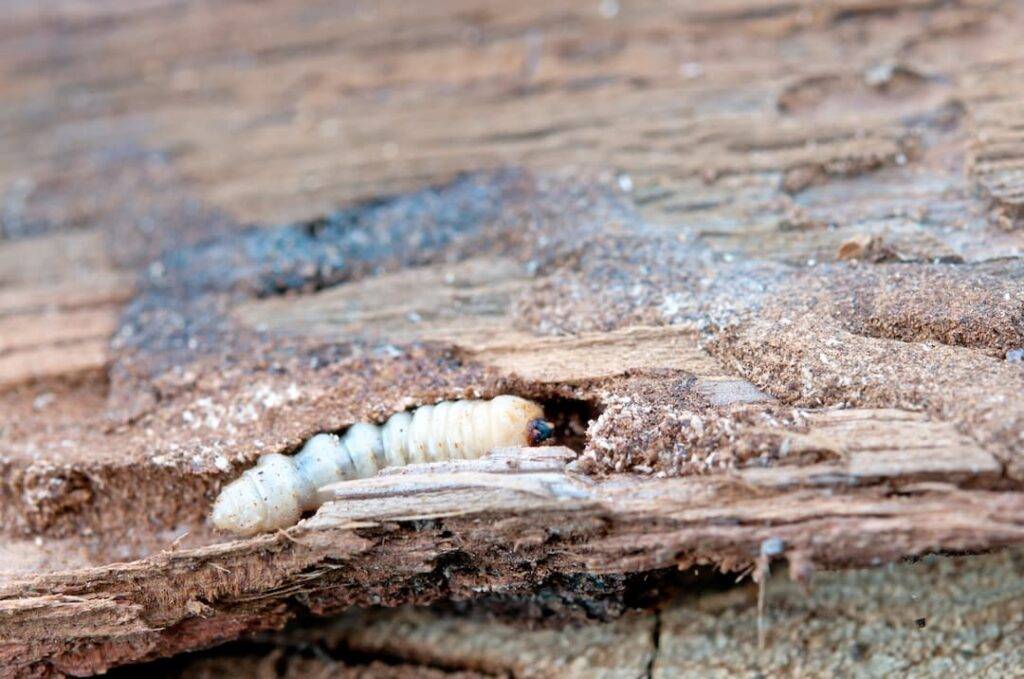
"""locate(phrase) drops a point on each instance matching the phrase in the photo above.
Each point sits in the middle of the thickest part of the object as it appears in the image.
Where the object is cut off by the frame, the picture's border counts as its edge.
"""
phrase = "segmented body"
(275, 492)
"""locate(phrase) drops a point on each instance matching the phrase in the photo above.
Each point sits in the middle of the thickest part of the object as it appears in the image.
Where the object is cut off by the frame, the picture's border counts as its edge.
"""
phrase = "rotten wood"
(667, 267)
(937, 615)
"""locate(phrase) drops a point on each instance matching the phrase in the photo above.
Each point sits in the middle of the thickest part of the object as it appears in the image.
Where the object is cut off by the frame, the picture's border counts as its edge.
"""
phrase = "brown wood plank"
(666, 275)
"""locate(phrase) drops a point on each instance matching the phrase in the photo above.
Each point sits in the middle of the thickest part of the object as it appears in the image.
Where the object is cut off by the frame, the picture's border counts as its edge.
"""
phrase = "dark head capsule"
(540, 431)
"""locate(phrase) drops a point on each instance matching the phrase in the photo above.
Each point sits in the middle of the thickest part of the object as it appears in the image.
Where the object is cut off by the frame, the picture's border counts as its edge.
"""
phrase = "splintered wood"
(934, 616)
(760, 263)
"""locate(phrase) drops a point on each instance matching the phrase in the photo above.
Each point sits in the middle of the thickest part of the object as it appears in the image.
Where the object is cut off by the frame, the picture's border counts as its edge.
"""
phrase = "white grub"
(275, 492)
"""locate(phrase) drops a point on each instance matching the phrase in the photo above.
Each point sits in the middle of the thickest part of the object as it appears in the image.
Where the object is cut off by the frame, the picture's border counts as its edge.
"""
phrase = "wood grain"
(918, 619)
(760, 134)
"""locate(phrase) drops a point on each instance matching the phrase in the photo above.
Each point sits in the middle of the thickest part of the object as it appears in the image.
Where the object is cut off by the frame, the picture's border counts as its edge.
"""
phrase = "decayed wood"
(363, 550)
(468, 305)
(956, 615)
(742, 386)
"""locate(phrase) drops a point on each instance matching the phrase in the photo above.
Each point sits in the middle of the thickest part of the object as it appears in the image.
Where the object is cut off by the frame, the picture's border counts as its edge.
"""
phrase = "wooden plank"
(938, 614)
(859, 412)
(25, 331)
(621, 525)
(60, 300)
(76, 358)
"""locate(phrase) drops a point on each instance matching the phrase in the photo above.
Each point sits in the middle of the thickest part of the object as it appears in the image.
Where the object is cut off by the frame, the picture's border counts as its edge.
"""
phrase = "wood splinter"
(275, 492)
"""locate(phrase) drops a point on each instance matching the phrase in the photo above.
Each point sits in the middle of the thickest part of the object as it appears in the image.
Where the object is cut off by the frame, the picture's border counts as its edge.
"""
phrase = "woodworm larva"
(275, 492)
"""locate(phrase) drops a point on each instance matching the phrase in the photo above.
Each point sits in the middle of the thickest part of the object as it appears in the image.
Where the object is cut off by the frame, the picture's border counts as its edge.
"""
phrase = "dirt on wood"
(761, 264)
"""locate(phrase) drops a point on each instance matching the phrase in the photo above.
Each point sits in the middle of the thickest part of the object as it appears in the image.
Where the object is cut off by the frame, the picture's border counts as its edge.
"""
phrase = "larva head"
(523, 420)
(540, 430)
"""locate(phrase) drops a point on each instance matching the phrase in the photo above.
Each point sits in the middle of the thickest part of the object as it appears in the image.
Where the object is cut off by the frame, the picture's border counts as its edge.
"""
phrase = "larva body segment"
(275, 492)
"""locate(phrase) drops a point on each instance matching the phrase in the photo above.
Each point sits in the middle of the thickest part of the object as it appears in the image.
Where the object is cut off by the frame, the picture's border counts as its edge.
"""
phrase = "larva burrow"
(275, 492)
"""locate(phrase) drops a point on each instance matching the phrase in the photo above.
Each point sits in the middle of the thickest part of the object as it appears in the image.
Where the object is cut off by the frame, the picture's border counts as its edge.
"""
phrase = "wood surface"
(761, 261)
(938, 615)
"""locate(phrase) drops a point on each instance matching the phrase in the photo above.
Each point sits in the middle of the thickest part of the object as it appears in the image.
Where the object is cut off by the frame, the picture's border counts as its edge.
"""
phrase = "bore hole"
(570, 417)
